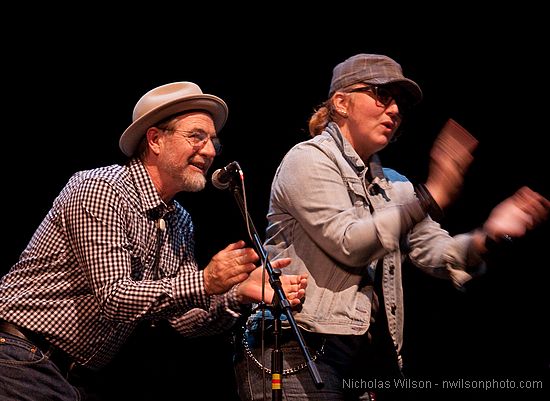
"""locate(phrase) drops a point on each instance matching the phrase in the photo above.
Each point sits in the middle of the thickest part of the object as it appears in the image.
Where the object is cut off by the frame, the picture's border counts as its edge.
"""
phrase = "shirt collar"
(345, 147)
(152, 203)
(374, 172)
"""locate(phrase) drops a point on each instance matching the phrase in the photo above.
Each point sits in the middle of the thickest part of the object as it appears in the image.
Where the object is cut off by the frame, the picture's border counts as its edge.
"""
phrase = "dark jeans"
(26, 374)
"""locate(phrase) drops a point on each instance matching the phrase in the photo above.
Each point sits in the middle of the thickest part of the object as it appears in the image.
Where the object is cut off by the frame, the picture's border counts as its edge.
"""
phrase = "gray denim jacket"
(336, 220)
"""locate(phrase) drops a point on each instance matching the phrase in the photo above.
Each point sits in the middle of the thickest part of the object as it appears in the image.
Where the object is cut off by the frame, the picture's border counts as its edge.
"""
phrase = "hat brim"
(131, 137)
(411, 88)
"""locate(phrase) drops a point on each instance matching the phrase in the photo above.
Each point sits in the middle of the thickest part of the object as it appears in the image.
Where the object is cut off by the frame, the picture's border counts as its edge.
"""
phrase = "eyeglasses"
(384, 96)
(198, 139)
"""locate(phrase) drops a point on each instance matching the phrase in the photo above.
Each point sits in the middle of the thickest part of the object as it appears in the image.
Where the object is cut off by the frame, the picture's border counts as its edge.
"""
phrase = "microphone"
(222, 177)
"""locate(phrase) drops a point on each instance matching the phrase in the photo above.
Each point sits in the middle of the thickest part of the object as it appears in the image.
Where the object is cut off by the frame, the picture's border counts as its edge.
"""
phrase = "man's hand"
(228, 267)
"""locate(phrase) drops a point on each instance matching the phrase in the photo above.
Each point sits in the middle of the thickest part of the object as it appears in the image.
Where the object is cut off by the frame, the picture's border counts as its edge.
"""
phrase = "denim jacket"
(337, 218)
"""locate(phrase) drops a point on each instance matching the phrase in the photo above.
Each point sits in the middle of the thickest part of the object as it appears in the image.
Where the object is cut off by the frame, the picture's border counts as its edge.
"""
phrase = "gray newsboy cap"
(375, 69)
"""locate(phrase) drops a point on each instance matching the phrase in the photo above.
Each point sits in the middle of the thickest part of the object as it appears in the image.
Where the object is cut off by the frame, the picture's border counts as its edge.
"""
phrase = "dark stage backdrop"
(70, 89)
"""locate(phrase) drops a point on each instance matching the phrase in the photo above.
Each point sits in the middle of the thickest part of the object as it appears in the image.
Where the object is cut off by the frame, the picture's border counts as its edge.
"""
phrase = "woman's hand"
(451, 155)
(294, 285)
(515, 215)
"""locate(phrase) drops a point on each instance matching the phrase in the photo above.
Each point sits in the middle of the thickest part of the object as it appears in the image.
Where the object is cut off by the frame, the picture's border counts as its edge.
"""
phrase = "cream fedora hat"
(165, 101)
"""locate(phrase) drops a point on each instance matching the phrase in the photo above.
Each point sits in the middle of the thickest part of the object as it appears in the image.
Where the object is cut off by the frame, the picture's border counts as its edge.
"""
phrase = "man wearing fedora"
(116, 249)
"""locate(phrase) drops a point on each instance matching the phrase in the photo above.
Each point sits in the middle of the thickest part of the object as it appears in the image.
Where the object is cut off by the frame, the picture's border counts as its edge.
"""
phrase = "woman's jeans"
(347, 365)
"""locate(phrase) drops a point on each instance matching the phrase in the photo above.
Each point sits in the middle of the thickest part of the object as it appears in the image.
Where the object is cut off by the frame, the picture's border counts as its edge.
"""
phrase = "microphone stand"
(281, 305)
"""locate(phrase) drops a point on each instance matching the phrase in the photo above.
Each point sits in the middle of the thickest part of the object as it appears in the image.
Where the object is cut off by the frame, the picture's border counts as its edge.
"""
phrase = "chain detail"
(288, 371)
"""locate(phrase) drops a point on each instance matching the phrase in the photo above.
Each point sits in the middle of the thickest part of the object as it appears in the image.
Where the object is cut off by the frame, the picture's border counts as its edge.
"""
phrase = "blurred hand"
(451, 155)
(294, 285)
(228, 267)
(517, 214)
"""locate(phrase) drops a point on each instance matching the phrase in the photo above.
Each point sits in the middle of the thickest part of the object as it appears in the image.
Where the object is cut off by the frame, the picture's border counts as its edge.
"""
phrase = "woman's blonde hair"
(320, 118)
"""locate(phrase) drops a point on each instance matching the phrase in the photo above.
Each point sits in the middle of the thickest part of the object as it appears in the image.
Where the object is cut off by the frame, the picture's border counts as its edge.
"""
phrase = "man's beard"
(193, 182)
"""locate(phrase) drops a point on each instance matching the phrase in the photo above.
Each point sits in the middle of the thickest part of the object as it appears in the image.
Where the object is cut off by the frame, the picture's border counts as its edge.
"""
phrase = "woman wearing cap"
(116, 249)
(349, 223)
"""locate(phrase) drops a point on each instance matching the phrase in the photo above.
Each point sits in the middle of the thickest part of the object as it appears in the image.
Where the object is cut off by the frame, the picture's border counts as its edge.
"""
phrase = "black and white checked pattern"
(88, 275)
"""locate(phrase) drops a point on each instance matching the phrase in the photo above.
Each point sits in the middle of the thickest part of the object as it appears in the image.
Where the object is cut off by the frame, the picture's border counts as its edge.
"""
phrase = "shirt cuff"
(189, 291)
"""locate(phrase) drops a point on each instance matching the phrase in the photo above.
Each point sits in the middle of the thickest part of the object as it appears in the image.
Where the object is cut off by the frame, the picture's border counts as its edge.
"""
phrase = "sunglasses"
(384, 97)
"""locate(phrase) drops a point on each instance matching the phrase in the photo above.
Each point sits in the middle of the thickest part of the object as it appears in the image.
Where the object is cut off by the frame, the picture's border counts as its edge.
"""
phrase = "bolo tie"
(160, 224)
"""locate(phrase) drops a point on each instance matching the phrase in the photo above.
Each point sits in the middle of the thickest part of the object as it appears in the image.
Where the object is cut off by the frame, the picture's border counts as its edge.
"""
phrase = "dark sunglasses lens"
(384, 96)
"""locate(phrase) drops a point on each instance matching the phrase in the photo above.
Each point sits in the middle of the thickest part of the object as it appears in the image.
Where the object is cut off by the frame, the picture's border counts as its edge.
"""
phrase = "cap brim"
(132, 135)
(411, 88)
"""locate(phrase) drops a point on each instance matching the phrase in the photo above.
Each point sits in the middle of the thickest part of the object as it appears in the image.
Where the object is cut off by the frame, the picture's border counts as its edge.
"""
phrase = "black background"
(70, 85)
